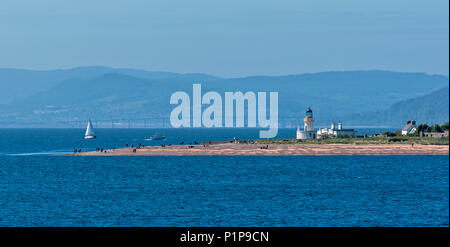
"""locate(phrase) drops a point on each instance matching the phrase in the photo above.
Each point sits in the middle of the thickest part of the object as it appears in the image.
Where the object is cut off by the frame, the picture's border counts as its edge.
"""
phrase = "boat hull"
(156, 139)
(89, 137)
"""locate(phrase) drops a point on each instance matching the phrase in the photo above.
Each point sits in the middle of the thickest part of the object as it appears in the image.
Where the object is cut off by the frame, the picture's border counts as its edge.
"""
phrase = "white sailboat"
(90, 134)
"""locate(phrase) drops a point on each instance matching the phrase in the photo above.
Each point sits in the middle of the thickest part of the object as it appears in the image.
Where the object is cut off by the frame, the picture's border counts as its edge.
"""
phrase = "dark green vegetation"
(360, 141)
(46, 98)
(434, 128)
(421, 127)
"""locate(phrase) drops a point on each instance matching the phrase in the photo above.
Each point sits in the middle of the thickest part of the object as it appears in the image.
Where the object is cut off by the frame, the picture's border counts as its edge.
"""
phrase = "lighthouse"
(308, 131)
(309, 120)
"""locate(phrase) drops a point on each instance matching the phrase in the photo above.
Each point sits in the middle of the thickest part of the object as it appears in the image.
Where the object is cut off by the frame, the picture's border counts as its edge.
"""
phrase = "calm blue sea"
(39, 188)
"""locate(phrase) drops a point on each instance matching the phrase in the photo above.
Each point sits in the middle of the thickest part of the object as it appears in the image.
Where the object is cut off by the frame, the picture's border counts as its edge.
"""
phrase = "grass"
(358, 141)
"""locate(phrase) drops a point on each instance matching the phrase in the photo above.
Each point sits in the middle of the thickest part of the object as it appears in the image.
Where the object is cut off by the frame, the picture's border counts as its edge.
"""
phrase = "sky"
(229, 38)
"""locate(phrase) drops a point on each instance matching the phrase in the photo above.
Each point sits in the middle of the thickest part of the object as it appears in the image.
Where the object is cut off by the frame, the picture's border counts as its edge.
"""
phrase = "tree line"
(434, 128)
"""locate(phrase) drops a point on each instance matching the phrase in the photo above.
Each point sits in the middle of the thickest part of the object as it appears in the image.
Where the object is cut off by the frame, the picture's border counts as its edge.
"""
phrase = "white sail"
(89, 131)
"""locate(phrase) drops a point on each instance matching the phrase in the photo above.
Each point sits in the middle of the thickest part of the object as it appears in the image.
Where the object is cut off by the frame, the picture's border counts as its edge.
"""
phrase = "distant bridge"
(156, 122)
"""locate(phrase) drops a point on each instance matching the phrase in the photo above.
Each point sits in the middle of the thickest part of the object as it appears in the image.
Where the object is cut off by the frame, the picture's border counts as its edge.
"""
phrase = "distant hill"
(338, 93)
(104, 93)
(19, 83)
(431, 108)
(110, 96)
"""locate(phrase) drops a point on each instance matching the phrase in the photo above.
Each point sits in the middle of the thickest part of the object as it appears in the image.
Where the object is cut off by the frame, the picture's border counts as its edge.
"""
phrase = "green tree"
(444, 127)
(436, 128)
(389, 134)
(422, 127)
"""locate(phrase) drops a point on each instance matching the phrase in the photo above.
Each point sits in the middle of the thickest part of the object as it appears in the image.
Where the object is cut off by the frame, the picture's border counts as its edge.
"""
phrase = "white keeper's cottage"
(409, 128)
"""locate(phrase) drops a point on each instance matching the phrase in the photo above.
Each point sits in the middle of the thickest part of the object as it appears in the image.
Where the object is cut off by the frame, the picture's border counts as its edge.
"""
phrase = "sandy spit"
(277, 149)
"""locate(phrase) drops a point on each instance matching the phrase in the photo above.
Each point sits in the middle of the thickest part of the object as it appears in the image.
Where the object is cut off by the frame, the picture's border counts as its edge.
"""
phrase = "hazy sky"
(227, 37)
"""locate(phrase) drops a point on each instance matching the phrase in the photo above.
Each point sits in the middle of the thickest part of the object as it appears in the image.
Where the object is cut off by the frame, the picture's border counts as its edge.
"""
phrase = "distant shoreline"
(149, 128)
(234, 149)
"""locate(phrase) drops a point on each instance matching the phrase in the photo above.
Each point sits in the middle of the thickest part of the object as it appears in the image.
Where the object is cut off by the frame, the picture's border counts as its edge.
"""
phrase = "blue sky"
(227, 38)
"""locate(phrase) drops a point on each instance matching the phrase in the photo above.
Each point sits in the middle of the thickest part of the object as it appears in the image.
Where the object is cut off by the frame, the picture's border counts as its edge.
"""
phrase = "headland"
(274, 149)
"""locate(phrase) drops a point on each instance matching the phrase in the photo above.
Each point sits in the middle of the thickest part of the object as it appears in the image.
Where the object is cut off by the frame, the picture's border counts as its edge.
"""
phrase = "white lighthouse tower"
(309, 120)
(308, 131)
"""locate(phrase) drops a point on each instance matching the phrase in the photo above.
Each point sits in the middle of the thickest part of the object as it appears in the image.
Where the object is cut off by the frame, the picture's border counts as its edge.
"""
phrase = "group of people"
(134, 148)
(138, 146)
(98, 149)
(101, 150)
(190, 143)
(264, 147)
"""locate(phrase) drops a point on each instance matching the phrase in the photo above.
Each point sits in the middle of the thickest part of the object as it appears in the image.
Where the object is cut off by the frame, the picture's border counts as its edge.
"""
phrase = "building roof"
(406, 128)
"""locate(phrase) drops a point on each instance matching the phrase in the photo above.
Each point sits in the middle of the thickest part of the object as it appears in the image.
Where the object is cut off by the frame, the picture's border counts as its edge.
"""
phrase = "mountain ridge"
(21, 83)
(331, 95)
(431, 108)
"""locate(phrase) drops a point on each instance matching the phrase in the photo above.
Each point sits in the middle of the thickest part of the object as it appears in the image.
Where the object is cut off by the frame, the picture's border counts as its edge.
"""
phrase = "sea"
(41, 187)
